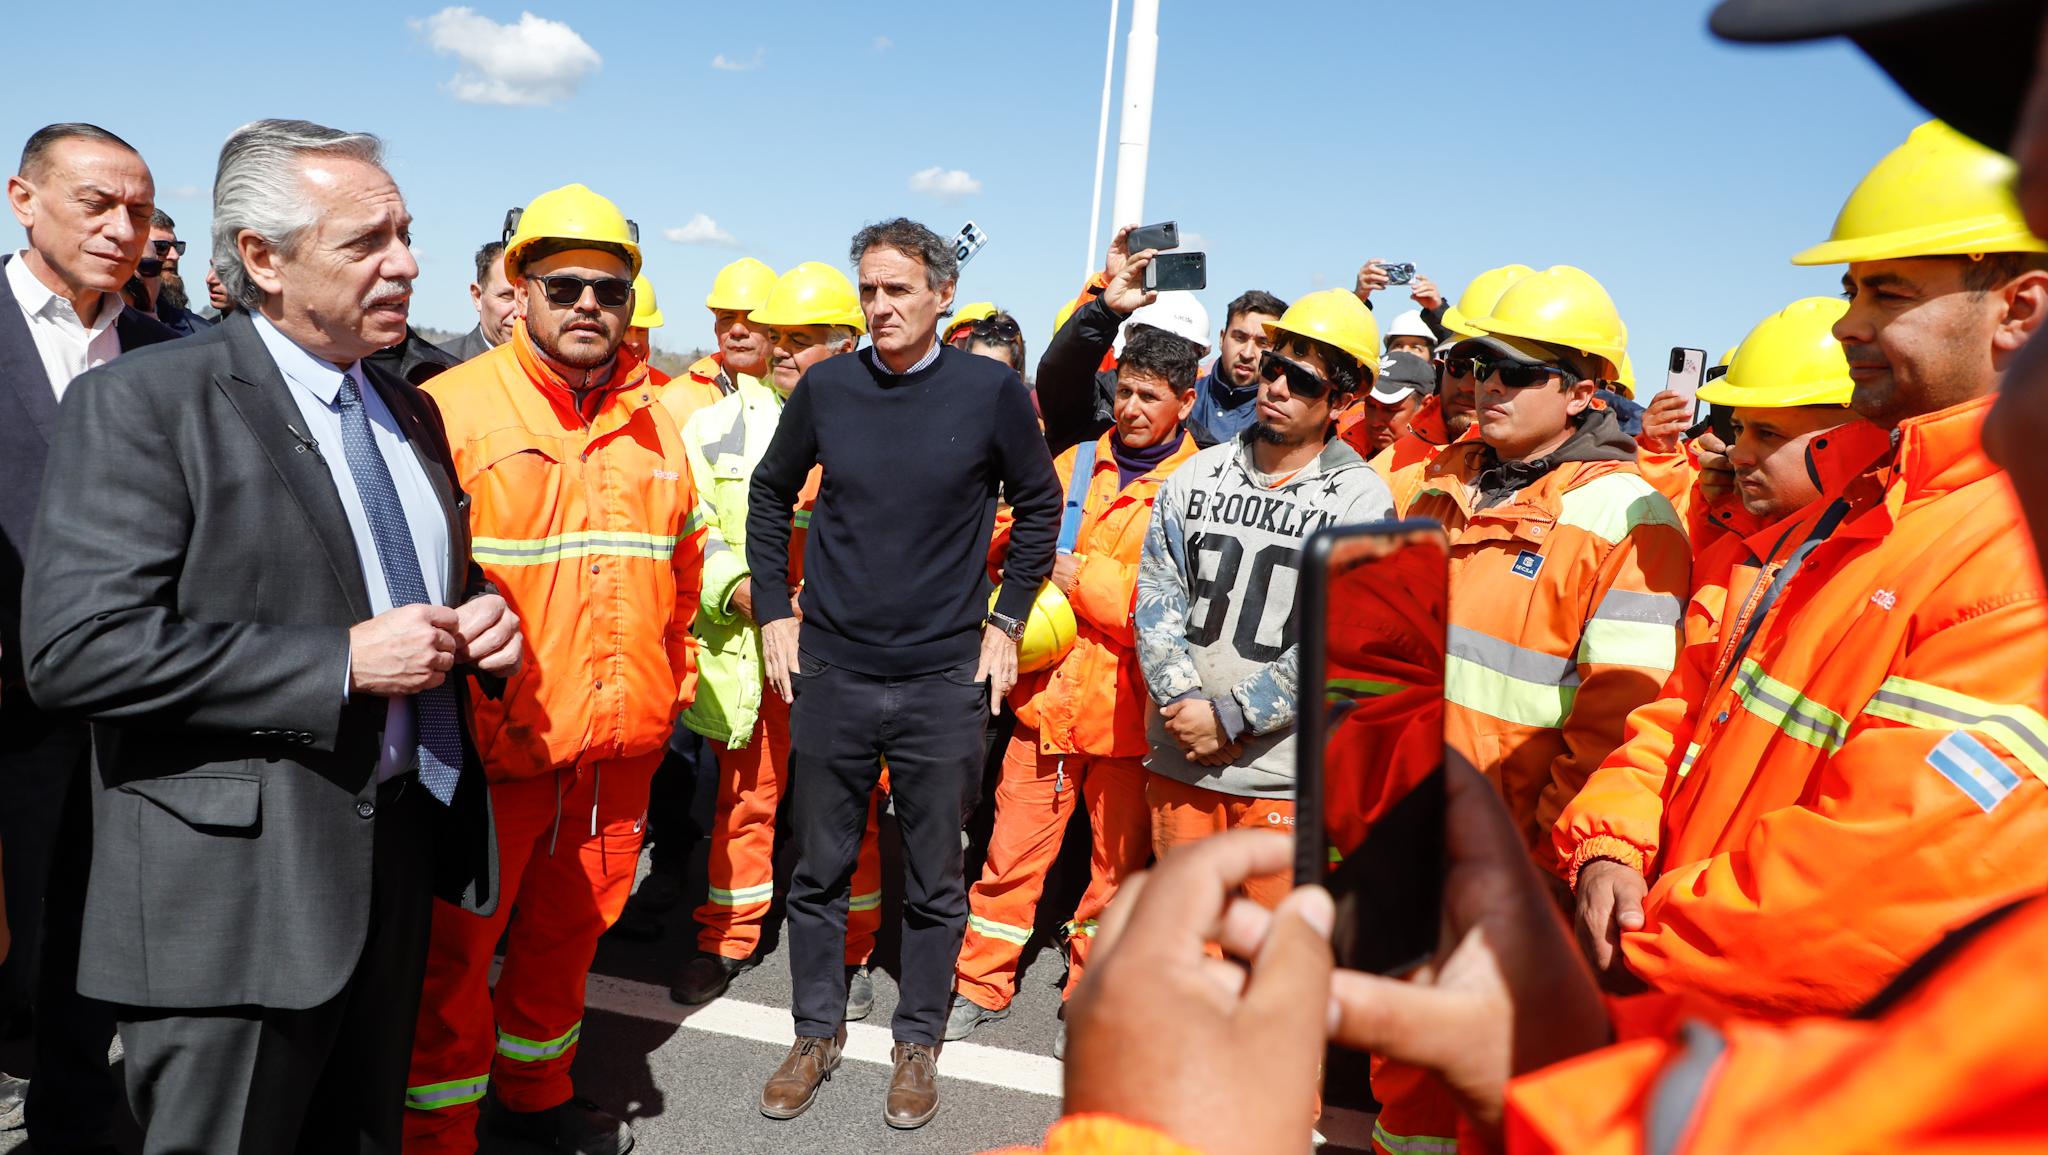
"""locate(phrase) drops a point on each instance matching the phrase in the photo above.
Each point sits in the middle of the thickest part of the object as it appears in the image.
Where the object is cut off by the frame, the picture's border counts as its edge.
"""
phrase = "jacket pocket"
(232, 801)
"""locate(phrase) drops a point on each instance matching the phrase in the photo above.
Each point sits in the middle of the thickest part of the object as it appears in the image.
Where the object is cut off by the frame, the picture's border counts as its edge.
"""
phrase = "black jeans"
(929, 728)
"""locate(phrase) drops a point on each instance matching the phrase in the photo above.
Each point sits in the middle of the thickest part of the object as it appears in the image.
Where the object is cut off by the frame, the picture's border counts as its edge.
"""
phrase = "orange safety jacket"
(697, 388)
(1102, 1135)
(1093, 701)
(590, 530)
(1948, 1061)
(1565, 606)
(1403, 464)
(1869, 770)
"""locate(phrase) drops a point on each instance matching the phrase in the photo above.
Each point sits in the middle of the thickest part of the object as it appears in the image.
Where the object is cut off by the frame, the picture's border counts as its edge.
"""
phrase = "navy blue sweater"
(895, 566)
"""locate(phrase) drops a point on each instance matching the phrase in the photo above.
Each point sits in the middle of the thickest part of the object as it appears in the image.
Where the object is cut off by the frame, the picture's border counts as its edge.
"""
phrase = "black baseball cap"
(1969, 62)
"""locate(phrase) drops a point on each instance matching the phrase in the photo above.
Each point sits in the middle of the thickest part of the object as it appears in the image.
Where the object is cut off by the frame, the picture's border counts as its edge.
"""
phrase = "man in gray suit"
(497, 306)
(251, 571)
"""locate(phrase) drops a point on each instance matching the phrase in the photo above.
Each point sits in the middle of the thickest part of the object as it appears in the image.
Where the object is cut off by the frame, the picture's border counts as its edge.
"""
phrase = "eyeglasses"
(1003, 327)
(564, 290)
(1302, 381)
(1513, 374)
(164, 248)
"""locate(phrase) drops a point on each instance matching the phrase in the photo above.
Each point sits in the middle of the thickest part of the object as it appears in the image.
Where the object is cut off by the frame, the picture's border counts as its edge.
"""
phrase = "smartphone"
(1178, 271)
(1369, 809)
(1688, 367)
(1164, 235)
(968, 241)
(1399, 274)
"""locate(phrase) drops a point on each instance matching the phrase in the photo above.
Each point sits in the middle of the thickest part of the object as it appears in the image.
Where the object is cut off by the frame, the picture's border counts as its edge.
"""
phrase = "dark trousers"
(331, 1079)
(929, 728)
(46, 840)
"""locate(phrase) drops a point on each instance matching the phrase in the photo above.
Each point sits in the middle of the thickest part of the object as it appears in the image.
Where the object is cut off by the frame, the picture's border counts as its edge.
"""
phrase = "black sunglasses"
(564, 290)
(1302, 381)
(163, 248)
(1513, 374)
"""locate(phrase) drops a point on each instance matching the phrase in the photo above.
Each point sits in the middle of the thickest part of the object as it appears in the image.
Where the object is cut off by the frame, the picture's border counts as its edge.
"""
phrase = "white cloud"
(701, 230)
(724, 63)
(884, 44)
(533, 62)
(944, 183)
(185, 192)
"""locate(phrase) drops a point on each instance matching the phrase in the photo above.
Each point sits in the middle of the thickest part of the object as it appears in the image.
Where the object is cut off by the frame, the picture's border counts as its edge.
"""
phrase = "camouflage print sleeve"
(1162, 610)
(1267, 698)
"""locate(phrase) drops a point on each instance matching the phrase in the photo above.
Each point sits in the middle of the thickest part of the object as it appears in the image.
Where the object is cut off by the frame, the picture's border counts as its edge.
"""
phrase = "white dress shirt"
(67, 345)
(316, 390)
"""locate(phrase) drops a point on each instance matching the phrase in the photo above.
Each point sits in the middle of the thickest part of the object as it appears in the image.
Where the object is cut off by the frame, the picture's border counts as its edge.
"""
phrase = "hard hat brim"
(650, 321)
(1946, 239)
(1719, 392)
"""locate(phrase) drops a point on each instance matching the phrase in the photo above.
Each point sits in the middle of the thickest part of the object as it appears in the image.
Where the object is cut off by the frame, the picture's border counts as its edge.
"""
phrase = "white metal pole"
(1101, 148)
(1134, 137)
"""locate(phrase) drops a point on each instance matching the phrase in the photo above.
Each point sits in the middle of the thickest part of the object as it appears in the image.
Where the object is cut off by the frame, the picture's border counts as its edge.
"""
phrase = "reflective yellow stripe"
(534, 1051)
(988, 929)
(1085, 929)
(872, 900)
(1607, 642)
(1795, 715)
(510, 551)
(1608, 507)
(453, 1093)
(2022, 731)
(802, 519)
(1510, 699)
(1413, 1144)
(744, 896)
(1685, 764)
(1341, 688)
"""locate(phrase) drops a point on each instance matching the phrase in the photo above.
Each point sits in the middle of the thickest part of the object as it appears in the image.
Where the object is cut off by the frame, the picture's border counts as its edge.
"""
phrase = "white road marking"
(867, 1043)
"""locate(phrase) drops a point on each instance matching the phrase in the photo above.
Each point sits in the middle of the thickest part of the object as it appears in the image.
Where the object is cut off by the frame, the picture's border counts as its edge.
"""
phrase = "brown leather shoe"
(913, 1086)
(807, 1067)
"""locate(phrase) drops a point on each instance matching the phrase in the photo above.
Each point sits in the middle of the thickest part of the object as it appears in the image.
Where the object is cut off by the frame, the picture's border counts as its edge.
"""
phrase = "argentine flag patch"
(1973, 769)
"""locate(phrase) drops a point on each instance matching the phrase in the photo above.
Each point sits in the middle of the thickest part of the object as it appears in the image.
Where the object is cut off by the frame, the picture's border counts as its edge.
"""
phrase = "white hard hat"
(1411, 324)
(1178, 312)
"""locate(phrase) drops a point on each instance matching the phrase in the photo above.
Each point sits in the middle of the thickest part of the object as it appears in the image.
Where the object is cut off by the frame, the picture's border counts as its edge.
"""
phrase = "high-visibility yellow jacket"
(1565, 606)
(1870, 770)
(587, 524)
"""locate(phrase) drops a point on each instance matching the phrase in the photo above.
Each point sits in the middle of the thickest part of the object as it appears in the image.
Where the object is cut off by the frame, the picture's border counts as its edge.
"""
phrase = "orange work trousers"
(1182, 813)
(1417, 1112)
(568, 843)
(751, 781)
(1034, 801)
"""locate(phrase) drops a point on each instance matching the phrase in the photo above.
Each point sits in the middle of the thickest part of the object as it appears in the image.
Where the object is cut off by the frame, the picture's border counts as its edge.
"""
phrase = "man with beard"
(1215, 606)
(158, 272)
(1226, 396)
(584, 515)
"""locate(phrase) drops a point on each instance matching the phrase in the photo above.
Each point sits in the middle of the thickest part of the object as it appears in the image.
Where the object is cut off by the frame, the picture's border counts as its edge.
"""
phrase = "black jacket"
(190, 590)
(28, 419)
(1075, 397)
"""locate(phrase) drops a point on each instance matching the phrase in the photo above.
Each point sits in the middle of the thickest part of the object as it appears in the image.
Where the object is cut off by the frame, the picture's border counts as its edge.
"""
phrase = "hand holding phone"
(1162, 236)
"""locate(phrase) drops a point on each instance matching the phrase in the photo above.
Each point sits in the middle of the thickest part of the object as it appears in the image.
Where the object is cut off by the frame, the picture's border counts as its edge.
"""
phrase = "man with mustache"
(251, 573)
(585, 516)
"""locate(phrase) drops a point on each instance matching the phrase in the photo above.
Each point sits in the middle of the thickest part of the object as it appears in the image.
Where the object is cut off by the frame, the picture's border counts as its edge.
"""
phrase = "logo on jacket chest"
(1527, 563)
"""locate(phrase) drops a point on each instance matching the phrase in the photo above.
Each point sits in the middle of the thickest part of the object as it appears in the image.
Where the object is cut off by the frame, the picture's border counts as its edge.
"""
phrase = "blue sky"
(1295, 139)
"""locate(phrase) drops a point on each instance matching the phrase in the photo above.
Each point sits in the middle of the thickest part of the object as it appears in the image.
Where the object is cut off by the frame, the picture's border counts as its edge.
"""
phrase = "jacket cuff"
(1230, 715)
(1603, 846)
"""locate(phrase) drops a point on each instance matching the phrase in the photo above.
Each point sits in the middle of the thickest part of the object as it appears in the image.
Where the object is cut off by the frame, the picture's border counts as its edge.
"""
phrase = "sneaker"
(645, 912)
(577, 1127)
(13, 1101)
(706, 976)
(967, 1015)
(860, 993)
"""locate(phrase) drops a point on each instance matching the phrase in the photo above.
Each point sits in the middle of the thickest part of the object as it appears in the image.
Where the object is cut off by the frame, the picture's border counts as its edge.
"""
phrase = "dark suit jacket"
(28, 419)
(191, 586)
(414, 360)
(470, 344)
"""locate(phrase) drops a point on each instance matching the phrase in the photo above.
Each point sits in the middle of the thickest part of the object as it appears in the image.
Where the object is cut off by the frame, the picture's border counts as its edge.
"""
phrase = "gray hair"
(257, 188)
(845, 335)
(906, 236)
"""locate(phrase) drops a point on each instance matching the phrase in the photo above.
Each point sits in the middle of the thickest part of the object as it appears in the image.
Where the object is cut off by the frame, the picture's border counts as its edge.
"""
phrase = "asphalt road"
(689, 1079)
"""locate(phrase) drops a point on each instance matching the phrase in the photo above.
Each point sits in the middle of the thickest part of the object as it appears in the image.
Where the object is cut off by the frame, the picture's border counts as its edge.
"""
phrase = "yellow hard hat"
(741, 286)
(968, 315)
(569, 213)
(1059, 320)
(1335, 317)
(1048, 632)
(1939, 194)
(1625, 377)
(1562, 306)
(1728, 358)
(1790, 358)
(1479, 296)
(813, 293)
(646, 310)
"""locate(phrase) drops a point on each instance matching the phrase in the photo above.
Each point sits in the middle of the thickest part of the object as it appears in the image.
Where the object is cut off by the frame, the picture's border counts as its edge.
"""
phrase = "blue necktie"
(436, 714)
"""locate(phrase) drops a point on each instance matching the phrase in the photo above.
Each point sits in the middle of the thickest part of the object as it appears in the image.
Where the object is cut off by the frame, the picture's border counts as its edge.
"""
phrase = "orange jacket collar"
(627, 373)
(1105, 456)
(1929, 455)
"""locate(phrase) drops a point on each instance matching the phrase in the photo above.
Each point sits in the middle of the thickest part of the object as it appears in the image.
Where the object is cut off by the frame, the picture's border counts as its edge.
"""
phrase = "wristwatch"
(1011, 627)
